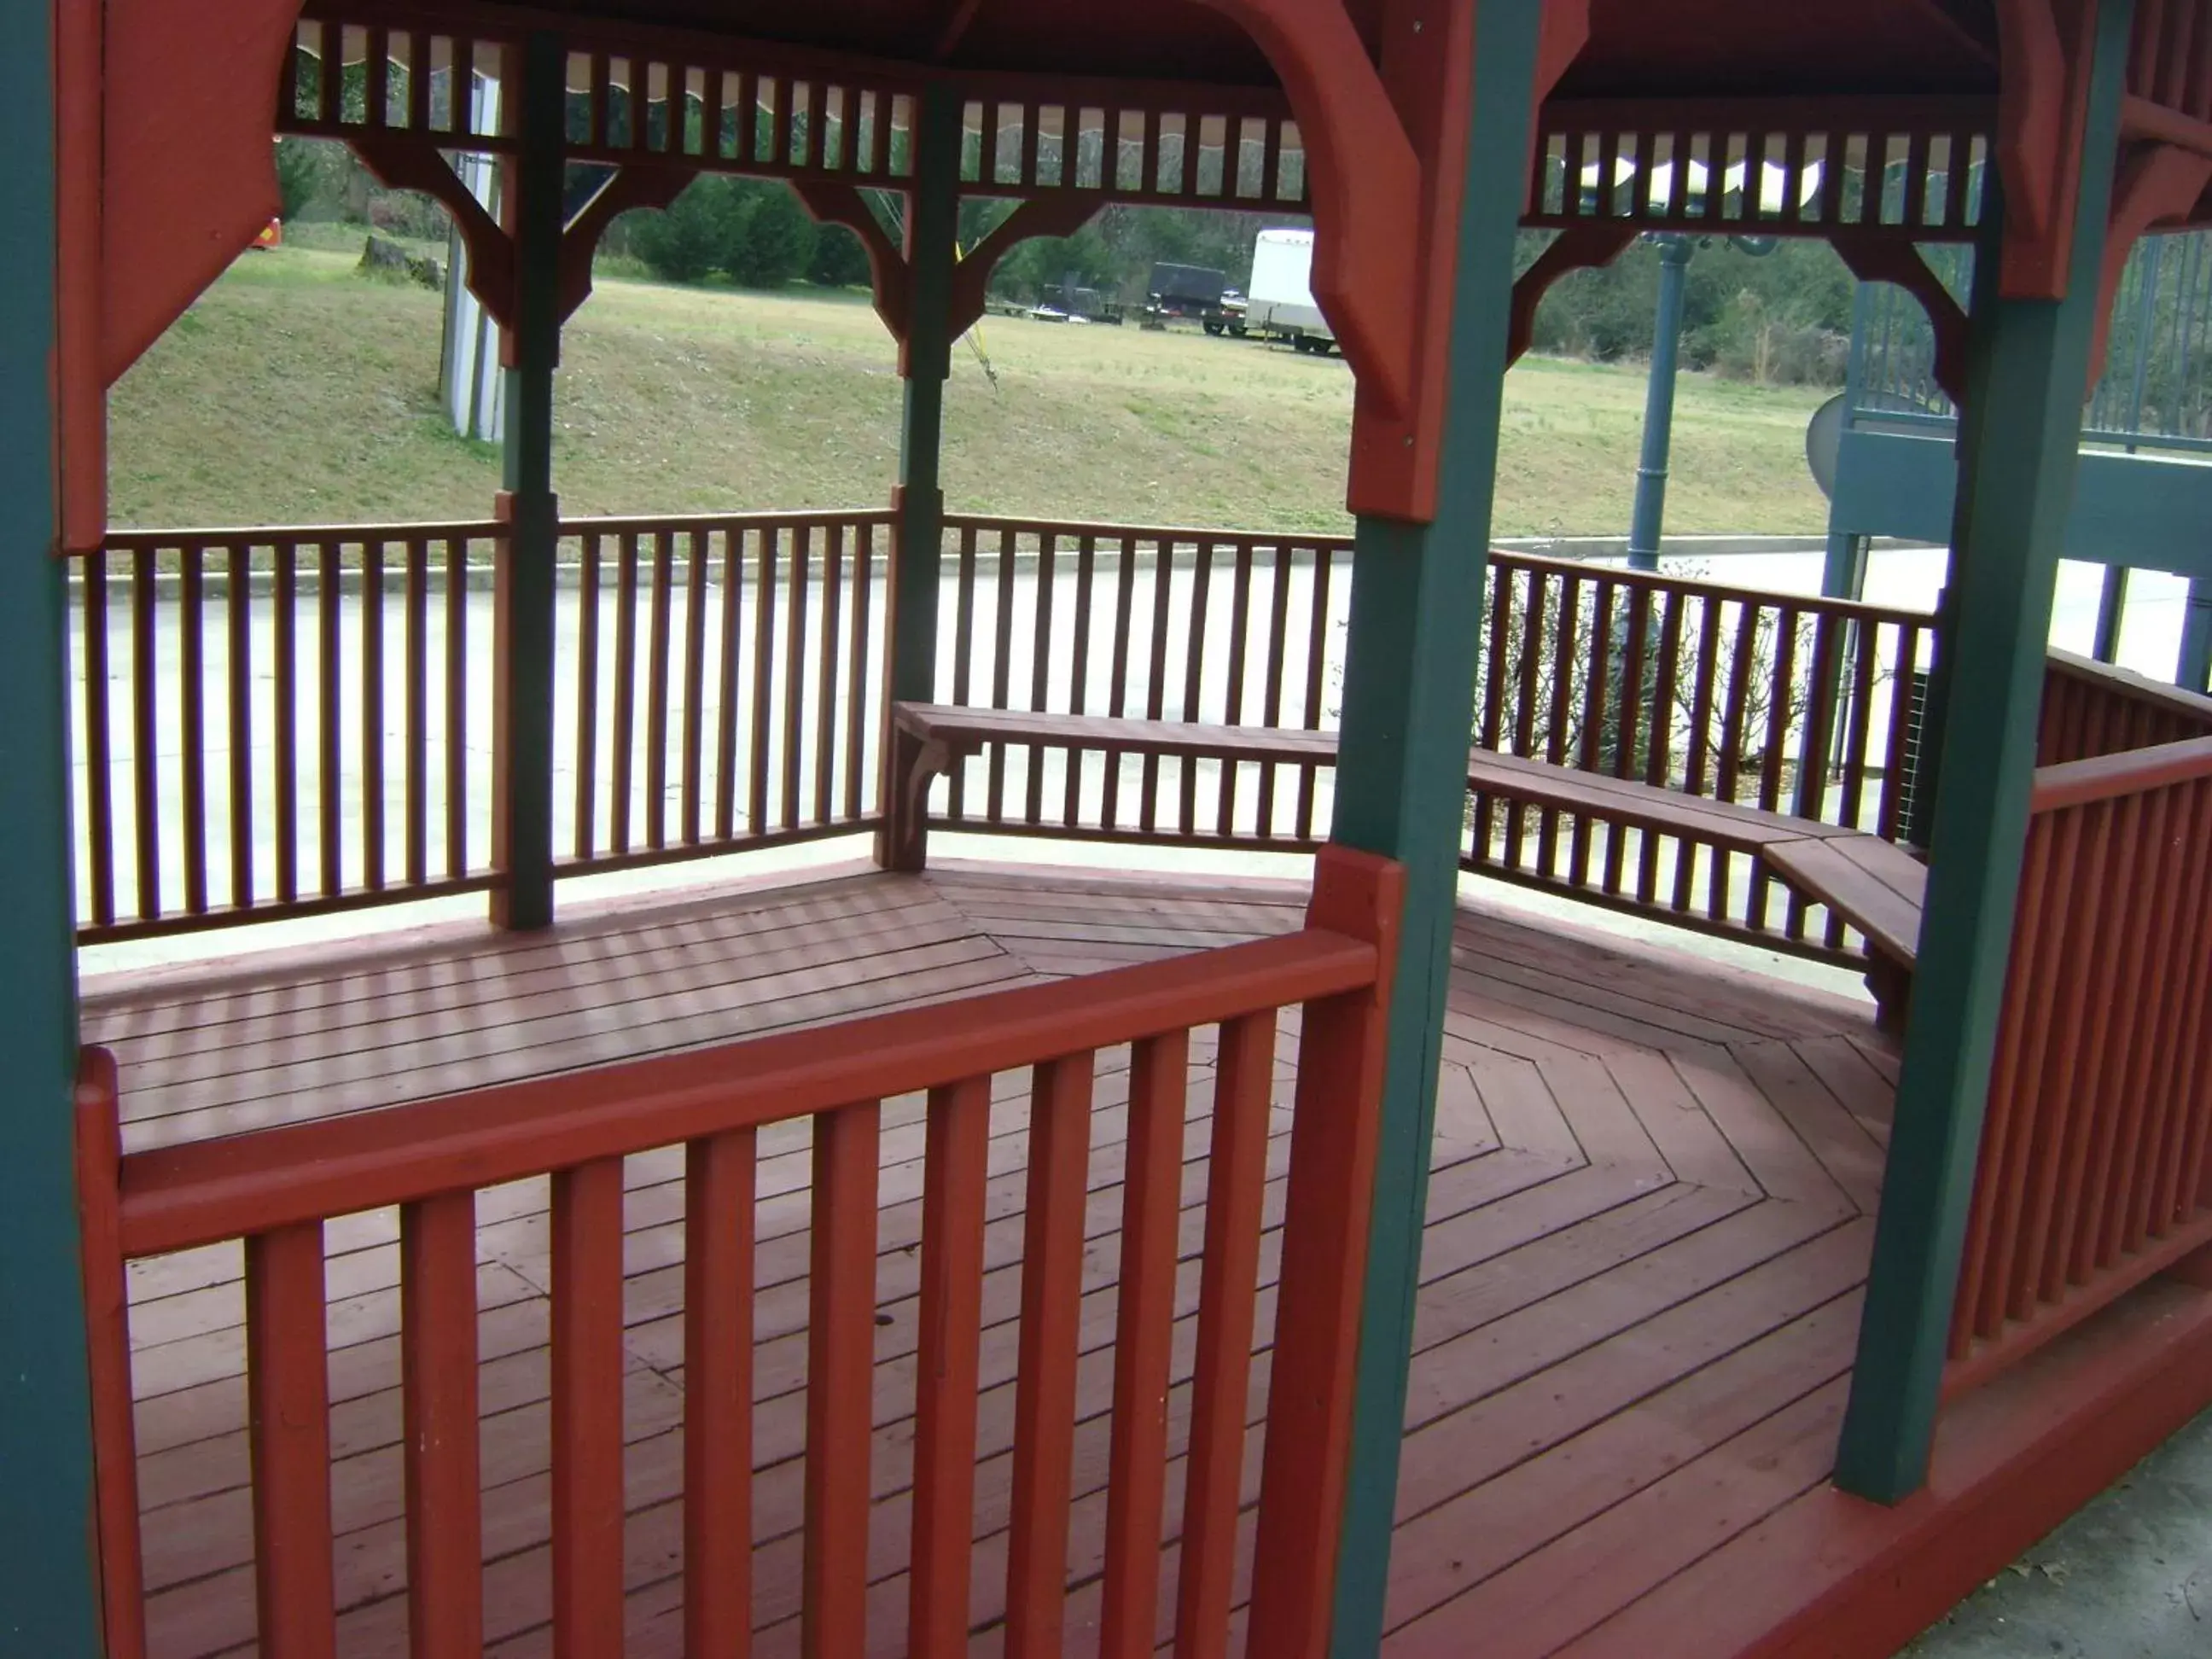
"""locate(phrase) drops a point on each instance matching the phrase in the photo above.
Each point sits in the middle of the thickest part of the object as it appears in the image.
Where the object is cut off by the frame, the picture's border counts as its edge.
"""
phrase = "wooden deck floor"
(1647, 1231)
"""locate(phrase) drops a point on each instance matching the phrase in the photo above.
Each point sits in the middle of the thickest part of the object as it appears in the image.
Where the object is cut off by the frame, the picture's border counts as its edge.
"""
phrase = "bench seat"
(1875, 886)
(1879, 887)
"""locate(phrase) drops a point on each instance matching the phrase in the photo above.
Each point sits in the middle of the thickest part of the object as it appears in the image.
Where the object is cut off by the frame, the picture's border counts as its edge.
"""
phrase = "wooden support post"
(522, 720)
(933, 224)
(1417, 592)
(48, 1574)
(2027, 364)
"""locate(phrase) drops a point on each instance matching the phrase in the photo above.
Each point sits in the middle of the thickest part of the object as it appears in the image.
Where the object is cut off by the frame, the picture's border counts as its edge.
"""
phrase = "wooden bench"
(1873, 886)
(1879, 888)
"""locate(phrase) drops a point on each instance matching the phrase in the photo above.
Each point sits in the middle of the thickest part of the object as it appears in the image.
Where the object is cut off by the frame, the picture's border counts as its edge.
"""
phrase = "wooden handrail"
(2131, 772)
(177, 1198)
(648, 523)
(2139, 688)
(1656, 581)
(123, 541)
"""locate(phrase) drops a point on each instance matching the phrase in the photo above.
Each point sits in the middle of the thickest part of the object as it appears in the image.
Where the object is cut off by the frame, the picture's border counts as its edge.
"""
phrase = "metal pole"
(1659, 405)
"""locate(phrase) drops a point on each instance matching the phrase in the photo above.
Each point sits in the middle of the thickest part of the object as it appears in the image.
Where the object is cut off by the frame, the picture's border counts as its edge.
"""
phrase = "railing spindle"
(438, 1360)
(2118, 1104)
(587, 1408)
(2179, 861)
(795, 674)
(587, 697)
(418, 632)
(98, 1161)
(622, 733)
(457, 697)
(1044, 1388)
(1557, 738)
(1240, 623)
(1317, 656)
(1040, 669)
(372, 712)
(99, 823)
(145, 732)
(841, 1342)
(191, 669)
(329, 769)
(771, 543)
(1236, 1175)
(825, 698)
(1144, 1338)
(238, 648)
(954, 1199)
(1002, 668)
(285, 604)
(1270, 707)
(726, 747)
(698, 542)
(287, 1391)
(1156, 676)
(1079, 670)
(861, 718)
(718, 1181)
(1194, 676)
(1595, 705)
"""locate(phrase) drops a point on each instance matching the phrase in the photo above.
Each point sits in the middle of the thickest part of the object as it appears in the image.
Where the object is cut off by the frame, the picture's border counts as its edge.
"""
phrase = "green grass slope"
(296, 390)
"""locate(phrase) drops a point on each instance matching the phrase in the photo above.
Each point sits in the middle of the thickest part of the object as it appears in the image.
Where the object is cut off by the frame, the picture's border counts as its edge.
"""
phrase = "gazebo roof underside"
(1687, 48)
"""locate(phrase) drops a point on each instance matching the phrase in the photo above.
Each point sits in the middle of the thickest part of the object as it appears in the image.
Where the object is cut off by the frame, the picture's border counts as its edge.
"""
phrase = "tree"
(688, 240)
(840, 261)
(774, 237)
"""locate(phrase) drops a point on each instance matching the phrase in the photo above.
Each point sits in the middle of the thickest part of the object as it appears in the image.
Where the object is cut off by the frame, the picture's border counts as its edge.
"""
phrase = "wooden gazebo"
(2034, 1314)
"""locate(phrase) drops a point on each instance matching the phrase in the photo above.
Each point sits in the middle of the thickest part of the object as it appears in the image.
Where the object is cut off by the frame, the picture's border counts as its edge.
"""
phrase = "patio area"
(1646, 1230)
(1648, 1221)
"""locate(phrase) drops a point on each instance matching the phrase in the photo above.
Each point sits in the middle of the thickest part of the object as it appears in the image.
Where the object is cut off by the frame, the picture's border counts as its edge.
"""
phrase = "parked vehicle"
(1228, 316)
(1279, 302)
(1189, 291)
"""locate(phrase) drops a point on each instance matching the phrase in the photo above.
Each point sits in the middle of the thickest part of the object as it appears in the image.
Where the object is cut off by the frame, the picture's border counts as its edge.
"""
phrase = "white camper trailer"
(1278, 300)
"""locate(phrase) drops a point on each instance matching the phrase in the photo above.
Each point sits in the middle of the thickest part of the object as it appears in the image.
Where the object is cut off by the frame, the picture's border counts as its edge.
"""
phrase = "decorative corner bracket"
(835, 204)
(2042, 100)
(631, 187)
(1878, 259)
(1365, 176)
(1385, 135)
(2158, 183)
(1584, 248)
(1040, 215)
(404, 163)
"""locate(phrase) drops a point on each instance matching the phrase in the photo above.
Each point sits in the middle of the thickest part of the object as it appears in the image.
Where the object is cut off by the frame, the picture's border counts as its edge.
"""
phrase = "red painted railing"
(722, 684)
(1229, 629)
(275, 1190)
(1802, 706)
(2092, 708)
(2096, 1161)
(1798, 705)
(260, 740)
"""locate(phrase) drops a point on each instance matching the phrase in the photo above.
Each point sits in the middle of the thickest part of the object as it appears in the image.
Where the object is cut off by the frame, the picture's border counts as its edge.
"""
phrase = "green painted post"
(2027, 369)
(522, 769)
(1416, 597)
(2193, 665)
(48, 1576)
(931, 250)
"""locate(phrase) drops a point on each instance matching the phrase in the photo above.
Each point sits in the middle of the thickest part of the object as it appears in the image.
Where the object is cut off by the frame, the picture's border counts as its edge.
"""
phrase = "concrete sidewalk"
(2129, 1578)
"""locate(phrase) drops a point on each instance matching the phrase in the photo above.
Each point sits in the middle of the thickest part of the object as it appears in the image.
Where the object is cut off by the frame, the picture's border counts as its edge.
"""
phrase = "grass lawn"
(296, 390)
